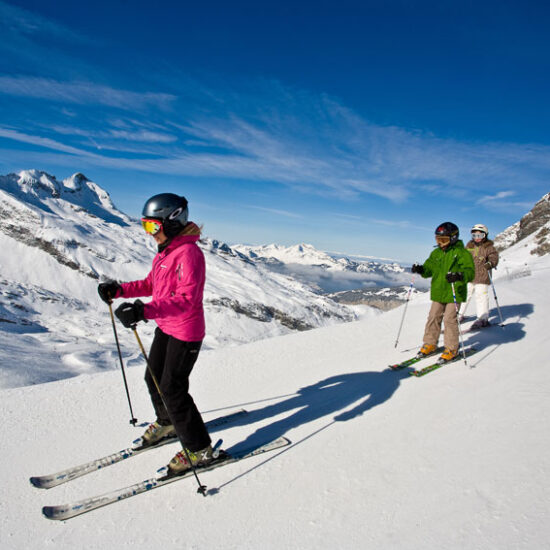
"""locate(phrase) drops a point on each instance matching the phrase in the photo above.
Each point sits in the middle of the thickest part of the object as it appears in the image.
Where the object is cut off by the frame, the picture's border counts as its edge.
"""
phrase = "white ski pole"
(459, 329)
(404, 311)
(496, 299)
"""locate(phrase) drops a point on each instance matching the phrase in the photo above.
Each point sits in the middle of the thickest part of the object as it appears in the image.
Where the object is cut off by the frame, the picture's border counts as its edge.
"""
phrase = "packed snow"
(379, 459)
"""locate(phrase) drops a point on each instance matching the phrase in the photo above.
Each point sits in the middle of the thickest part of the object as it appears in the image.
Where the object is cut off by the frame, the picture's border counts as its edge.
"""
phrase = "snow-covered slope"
(457, 459)
(59, 239)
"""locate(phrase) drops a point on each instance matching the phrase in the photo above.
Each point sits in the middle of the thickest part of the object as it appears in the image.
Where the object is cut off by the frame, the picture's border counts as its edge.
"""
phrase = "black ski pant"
(171, 361)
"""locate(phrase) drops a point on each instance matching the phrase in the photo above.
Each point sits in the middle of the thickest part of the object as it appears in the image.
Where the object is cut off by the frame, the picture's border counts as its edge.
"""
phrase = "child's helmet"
(480, 227)
(447, 229)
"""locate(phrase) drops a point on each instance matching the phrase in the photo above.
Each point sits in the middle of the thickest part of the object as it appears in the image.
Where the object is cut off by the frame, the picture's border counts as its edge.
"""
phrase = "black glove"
(130, 314)
(109, 290)
(488, 265)
(417, 268)
(454, 277)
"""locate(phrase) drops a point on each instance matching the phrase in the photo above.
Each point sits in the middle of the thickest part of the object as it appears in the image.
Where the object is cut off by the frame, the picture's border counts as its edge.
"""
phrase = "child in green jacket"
(450, 266)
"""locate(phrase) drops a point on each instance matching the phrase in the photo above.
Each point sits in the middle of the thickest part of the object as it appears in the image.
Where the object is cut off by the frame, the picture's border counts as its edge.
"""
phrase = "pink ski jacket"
(176, 283)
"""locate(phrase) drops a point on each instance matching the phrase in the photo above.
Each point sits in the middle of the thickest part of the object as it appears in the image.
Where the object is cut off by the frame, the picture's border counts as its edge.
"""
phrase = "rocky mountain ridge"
(537, 221)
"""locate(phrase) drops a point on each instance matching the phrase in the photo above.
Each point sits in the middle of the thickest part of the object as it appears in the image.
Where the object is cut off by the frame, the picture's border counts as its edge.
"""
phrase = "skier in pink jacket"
(176, 284)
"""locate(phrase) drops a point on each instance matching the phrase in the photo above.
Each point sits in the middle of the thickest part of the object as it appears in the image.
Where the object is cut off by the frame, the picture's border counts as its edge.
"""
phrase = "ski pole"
(133, 421)
(202, 488)
(458, 324)
(496, 299)
(404, 311)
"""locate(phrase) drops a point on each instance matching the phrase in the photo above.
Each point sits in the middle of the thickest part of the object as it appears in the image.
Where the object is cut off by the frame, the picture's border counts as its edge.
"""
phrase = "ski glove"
(453, 277)
(417, 268)
(488, 265)
(109, 290)
(130, 314)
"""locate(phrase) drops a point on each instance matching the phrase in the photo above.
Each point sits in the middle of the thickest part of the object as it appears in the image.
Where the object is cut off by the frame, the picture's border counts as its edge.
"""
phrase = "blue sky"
(357, 127)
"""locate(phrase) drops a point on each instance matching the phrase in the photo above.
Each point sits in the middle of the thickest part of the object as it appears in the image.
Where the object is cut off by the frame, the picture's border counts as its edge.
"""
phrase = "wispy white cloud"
(268, 132)
(82, 93)
(284, 213)
(315, 144)
(145, 136)
(499, 196)
(42, 142)
(502, 201)
(132, 135)
(21, 21)
(399, 224)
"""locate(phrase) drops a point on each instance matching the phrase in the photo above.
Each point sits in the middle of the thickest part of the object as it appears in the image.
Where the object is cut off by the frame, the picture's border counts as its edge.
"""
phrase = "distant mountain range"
(381, 284)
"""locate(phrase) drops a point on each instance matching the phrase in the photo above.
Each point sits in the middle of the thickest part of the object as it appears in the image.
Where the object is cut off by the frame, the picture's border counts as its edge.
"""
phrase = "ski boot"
(426, 349)
(180, 463)
(480, 323)
(154, 434)
(447, 355)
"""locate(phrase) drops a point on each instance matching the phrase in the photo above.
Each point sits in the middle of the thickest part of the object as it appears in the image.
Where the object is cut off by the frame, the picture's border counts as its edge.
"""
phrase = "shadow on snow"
(333, 395)
(326, 397)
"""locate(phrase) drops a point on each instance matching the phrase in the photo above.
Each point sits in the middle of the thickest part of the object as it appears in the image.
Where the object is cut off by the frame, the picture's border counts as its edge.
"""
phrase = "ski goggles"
(151, 226)
(442, 239)
(478, 235)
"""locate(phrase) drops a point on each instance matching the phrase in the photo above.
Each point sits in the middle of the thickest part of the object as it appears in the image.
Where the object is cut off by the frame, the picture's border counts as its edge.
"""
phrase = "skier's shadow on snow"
(513, 310)
(512, 331)
(489, 340)
(326, 397)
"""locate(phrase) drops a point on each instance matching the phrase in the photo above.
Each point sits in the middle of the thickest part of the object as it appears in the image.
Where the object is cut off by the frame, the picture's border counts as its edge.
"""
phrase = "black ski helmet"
(447, 229)
(170, 209)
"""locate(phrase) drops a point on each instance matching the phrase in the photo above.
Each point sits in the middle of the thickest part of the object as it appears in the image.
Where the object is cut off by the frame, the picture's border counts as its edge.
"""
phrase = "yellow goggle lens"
(151, 226)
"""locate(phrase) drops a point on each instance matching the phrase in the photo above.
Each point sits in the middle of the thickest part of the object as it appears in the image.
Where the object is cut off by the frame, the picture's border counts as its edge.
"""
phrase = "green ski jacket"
(456, 259)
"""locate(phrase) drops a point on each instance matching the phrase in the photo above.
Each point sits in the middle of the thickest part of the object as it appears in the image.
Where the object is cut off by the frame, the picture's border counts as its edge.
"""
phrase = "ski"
(52, 480)
(413, 360)
(67, 511)
(438, 365)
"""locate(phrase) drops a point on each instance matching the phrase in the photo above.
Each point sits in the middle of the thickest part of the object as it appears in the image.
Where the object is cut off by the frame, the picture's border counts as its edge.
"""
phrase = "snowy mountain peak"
(536, 222)
(45, 193)
(38, 183)
(75, 181)
(305, 254)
